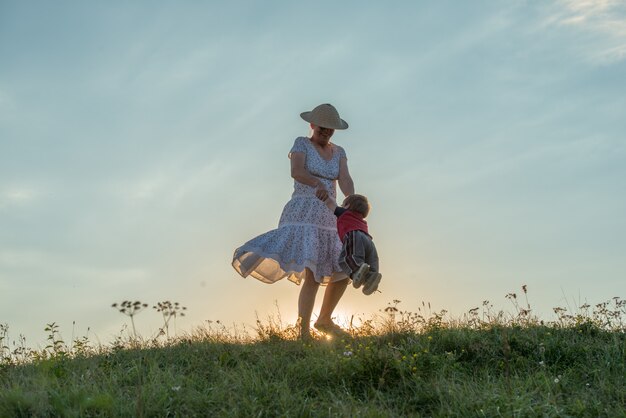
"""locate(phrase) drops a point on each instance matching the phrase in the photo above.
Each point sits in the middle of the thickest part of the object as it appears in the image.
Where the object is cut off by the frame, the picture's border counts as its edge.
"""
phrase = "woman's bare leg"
(332, 295)
(306, 301)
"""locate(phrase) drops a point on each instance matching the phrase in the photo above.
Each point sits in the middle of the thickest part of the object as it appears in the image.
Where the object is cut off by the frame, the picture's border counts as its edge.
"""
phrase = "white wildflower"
(347, 353)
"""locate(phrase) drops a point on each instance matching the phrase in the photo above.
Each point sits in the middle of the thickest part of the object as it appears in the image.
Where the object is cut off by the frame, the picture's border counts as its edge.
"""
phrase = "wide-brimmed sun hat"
(325, 116)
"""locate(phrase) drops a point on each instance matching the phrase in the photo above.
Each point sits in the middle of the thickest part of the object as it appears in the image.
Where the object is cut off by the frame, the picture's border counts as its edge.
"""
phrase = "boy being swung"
(358, 258)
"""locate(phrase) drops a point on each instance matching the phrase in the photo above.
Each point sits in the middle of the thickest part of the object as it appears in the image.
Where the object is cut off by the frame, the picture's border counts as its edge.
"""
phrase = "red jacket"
(348, 220)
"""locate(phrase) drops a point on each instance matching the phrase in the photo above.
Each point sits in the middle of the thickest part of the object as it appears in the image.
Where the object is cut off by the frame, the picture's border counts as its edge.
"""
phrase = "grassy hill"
(405, 364)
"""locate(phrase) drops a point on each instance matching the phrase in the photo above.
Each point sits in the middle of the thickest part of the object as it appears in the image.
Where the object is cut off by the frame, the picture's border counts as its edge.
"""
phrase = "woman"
(305, 246)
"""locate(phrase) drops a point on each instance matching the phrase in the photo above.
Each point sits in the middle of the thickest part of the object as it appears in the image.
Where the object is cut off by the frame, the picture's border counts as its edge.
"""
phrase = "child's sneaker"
(371, 282)
(359, 275)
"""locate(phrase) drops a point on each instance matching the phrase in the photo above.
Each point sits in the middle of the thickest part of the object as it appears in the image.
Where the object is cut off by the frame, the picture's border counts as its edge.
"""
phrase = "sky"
(142, 142)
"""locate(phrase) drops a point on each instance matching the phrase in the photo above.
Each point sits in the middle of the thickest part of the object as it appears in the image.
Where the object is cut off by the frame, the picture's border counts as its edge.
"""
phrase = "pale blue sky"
(141, 143)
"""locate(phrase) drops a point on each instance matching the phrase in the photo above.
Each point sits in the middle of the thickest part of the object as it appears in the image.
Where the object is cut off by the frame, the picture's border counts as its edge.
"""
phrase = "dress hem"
(292, 271)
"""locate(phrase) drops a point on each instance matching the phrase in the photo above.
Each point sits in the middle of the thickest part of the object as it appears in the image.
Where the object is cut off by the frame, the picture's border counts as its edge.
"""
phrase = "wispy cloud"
(170, 185)
(31, 265)
(17, 196)
(605, 20)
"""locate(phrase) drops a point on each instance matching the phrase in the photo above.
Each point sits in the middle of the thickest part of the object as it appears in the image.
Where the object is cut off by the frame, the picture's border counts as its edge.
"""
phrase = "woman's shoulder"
(300, 144)
(340, 151)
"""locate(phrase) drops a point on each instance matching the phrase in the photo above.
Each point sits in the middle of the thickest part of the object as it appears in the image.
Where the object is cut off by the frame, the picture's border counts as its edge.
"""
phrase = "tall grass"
(399, 363)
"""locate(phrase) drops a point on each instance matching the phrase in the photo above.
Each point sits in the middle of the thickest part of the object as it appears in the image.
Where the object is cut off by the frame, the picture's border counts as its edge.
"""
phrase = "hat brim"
(308, 116)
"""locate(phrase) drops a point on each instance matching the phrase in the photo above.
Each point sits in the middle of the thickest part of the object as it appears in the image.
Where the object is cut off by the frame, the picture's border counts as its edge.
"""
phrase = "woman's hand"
(321, 193)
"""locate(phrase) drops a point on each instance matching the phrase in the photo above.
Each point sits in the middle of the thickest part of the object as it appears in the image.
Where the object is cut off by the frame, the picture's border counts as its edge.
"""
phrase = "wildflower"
(175, 388)
(541, 363)
(347, 353)
(556, 380)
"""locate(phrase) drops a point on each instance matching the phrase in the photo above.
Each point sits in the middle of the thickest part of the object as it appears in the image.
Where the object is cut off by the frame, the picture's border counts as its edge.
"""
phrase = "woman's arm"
(345, 181)
(300, 174)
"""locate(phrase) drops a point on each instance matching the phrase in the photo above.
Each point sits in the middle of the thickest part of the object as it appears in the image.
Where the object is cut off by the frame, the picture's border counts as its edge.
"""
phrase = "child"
(358, 257)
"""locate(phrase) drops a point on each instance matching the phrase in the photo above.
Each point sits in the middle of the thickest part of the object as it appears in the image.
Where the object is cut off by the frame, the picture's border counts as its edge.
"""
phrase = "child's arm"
(329, 201)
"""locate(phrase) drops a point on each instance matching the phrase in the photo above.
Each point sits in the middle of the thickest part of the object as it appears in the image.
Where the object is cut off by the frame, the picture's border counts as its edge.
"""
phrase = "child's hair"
(357, 203)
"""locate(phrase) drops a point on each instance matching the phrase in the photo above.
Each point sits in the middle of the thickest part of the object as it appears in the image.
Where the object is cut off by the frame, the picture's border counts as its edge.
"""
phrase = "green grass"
(402, 365)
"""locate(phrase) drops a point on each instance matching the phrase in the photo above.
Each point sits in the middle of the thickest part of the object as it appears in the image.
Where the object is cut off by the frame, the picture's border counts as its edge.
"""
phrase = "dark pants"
(358, 248)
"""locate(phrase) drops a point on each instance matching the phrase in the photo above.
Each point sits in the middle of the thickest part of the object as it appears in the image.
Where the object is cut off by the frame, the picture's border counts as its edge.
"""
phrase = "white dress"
(306, 236)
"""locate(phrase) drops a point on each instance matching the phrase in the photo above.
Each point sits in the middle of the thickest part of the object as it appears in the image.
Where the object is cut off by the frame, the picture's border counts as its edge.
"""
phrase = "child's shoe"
(359, 275)
(371, 282)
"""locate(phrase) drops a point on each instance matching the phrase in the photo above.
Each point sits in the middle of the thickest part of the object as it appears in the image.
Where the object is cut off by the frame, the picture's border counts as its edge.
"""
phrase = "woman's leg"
(306, 301)
(332, 295)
